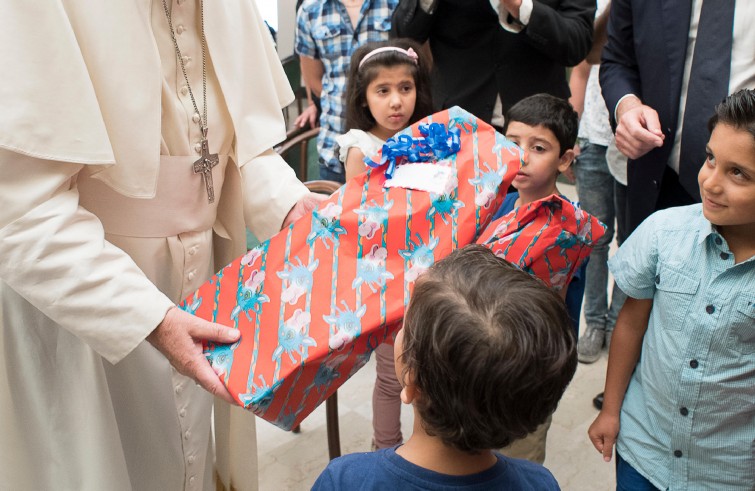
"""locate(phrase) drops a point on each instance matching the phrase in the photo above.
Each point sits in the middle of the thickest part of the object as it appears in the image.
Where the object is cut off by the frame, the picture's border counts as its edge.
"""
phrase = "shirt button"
(719, 241)
(684, 411)
(657, 279)
(710, 309)
(185, 90)
(693, 363)
(724, 256)
(677, 453)
(198, 148)
(655, 183)
(180, 29)
(195, 118)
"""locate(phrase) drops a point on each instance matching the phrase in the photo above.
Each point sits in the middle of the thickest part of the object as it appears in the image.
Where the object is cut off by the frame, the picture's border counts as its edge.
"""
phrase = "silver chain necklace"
(207, 160)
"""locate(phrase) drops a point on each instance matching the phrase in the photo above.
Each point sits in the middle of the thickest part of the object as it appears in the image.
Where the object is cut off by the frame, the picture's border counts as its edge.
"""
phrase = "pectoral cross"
(204, 166)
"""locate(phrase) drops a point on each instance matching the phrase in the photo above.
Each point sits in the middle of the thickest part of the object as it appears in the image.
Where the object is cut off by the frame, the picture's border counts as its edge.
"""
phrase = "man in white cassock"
(135, 146)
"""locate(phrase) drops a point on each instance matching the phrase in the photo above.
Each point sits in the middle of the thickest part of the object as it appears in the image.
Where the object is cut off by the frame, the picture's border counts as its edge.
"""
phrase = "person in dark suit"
(650, 83)
(486, 60)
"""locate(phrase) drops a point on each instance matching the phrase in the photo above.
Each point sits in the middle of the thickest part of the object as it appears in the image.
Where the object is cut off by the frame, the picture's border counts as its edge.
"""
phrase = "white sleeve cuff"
(616, 109)
(525, 13)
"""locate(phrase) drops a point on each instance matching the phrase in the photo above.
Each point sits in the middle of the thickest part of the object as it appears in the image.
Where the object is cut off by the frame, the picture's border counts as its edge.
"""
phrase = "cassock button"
(192, 459)
(186, 59)
(195, 118)
(185, 90)
(187, 435)
(191, 480)
(180, 29)
(198, 148)
(182, 413)
(191, 275)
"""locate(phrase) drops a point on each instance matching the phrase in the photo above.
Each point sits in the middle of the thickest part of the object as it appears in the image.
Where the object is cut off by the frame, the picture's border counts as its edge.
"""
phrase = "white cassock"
(104, 227)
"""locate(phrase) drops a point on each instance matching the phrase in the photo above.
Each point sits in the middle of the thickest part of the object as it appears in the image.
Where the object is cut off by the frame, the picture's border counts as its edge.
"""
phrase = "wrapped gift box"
(548, 238)
(313, 302)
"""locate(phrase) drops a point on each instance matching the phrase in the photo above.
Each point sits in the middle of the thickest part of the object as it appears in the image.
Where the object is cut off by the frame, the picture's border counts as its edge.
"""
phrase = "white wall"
(281, 16)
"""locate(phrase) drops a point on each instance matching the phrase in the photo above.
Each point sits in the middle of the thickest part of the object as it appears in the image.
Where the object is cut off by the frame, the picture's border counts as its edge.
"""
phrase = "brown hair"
(358, 115)
(489, 348)
(737, 110)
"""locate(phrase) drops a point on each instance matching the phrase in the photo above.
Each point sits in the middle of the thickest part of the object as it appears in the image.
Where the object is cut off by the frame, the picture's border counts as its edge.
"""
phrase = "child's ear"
(409, 393)
(566, 160)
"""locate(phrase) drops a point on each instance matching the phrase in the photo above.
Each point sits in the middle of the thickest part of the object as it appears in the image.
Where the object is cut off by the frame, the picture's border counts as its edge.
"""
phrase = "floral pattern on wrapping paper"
(346, 324)
(375, 217)
(371, 269)
(297, 280)
(326, 225)
(293, 337)
(489, 182)
(420, 255)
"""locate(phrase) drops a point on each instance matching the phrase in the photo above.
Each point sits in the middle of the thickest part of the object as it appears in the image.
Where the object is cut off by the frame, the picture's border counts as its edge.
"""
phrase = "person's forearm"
(626, 346)
(55, 255)
(578, 86)
(312, 71)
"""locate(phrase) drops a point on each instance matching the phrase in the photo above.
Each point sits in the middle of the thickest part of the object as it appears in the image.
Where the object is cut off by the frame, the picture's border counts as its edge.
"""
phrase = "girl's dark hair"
(358, 115)
(737, 110)
(490, 349)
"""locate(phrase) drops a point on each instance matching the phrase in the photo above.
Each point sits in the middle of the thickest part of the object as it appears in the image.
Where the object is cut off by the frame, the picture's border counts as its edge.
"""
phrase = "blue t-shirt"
(385, 469)
(576, 289)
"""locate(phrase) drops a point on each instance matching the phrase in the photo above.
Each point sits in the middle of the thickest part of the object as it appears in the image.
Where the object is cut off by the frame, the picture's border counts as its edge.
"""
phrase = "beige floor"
(293, 462)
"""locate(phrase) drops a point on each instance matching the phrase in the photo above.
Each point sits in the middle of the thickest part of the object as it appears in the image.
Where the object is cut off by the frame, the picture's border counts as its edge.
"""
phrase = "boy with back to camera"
(684, 411)
(484, 356)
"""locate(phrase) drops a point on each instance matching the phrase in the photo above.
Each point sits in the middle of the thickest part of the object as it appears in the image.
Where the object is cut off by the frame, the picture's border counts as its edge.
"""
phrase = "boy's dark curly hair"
(550, 112)
(489, 348)
(737, 110)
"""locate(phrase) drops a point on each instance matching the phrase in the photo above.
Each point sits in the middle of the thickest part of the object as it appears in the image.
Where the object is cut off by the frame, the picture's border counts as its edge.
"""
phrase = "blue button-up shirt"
(324, 32)
(688, 418)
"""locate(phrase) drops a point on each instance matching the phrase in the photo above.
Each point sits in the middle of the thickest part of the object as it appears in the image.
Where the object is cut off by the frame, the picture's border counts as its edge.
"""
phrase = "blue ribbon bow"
(436, 143)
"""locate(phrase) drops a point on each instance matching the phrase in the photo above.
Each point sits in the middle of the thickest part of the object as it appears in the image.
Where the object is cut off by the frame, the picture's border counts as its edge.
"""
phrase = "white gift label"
(432, 178)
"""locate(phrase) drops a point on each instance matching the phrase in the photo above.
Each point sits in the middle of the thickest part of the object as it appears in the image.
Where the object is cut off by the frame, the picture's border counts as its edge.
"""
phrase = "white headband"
(408, 52)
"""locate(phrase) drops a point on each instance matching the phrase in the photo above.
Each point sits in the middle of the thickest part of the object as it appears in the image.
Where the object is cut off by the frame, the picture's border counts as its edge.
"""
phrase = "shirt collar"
(705, 228)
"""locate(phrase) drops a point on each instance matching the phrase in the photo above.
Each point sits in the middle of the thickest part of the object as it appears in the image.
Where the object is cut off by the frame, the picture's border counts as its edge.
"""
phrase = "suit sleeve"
(409, 20)
(619, 73)
(563, 34)
(54, 254)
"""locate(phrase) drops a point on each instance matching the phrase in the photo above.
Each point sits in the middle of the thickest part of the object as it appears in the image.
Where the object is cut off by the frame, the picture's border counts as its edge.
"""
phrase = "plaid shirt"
(324, 32)
(688, 418)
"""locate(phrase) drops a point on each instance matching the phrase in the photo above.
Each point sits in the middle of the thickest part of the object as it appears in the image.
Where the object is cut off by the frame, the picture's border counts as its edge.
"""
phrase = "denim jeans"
(329, 174)
(603, 197)
(628, 479)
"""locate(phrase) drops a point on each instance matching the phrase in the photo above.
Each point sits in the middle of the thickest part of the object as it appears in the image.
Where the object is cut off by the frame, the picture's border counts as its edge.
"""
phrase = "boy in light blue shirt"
(680, 388)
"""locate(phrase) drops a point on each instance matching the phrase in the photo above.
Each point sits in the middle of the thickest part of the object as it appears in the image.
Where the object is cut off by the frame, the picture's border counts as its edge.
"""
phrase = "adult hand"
(639, 129)
(308, 115)
(512, 7)
(179, 337)
(603, 432)
(308, 203)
